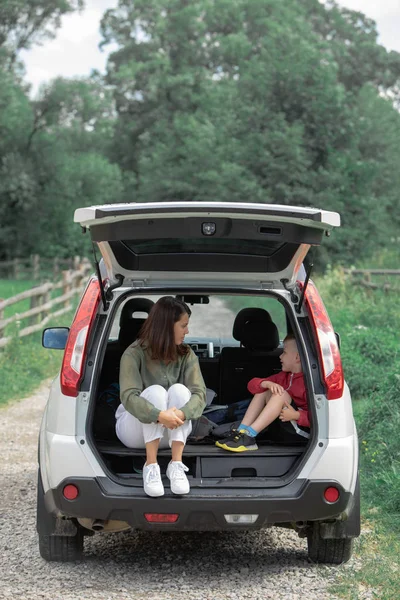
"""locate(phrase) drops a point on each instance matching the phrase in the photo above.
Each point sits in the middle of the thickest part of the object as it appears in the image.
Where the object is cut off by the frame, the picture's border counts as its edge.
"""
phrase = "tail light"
(70, 492)
(327, 344)
(161, 517)
(75, 351)
(331, 494)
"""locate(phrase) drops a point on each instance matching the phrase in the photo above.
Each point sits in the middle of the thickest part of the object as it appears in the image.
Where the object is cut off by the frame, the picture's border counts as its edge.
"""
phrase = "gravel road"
(209, 566)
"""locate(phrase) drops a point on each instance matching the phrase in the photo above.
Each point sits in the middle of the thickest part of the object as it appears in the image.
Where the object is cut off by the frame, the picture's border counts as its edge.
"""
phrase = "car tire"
(52, 547)
(62, 548)
(329, 551)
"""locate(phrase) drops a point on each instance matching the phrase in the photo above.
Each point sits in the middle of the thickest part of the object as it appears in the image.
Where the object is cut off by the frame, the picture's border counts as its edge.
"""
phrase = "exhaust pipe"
(103, 525)
(98, 525)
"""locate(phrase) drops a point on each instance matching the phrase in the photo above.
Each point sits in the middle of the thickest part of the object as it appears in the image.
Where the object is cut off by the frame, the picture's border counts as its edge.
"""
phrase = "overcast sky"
(75, 49)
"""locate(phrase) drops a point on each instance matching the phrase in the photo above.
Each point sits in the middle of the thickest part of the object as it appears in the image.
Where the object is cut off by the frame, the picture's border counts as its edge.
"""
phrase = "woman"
(162, 389)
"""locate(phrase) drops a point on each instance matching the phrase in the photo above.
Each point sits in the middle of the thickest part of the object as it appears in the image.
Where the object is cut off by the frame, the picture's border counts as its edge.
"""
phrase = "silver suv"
(221, 258)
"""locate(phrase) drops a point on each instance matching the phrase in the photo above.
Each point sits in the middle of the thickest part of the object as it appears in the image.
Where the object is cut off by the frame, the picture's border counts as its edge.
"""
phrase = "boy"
(282, 395)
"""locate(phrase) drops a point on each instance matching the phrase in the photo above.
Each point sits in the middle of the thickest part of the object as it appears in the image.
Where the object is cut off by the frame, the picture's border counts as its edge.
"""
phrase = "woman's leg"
(131, 431)
(135, 434)
(178, 396)
(154, 433)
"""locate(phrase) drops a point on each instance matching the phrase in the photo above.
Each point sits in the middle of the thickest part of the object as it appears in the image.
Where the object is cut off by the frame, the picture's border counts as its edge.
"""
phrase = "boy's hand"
(274, 387)
(288, 413)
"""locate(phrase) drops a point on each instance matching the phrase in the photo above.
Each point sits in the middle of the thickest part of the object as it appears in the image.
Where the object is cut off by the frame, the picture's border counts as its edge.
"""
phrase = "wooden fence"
(363, 277)
(36, 267)
(42, 303)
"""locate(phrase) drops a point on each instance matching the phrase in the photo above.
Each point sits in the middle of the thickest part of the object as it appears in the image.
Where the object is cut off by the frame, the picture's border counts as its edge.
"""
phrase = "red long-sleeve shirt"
(293, 383)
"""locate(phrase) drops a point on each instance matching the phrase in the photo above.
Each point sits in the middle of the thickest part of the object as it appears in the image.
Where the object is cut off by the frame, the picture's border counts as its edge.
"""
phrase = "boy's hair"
(289, 337)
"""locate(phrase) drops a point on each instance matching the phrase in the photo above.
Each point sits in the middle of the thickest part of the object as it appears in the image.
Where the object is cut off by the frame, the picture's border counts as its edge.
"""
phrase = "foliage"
(24, 364)
(56, 163)
(263, 101)
(54, 149)
(23, 24)
(368, 324)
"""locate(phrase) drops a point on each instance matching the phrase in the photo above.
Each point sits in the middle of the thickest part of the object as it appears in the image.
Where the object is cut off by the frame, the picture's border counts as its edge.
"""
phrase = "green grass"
(24, 363)
(376, 571)
(369, 323)
(9, 288)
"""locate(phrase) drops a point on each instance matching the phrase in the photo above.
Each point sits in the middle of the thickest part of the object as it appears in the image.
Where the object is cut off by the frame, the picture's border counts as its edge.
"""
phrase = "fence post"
(16, 267)
(66, 286)
(56, 268)
(45, 299)
(35, 259)
(77, 262)
(33, 304)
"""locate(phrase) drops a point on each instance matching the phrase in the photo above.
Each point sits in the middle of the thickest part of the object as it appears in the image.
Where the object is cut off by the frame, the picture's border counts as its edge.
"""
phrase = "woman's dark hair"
(157, 332)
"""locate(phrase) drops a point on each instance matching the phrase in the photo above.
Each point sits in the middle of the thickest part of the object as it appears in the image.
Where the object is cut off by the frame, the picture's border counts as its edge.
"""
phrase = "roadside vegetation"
(369, 322)
(24, 363)
(12, 287)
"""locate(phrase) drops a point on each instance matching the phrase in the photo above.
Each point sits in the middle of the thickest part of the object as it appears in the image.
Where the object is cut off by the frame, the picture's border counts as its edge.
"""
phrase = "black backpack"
(104, 414)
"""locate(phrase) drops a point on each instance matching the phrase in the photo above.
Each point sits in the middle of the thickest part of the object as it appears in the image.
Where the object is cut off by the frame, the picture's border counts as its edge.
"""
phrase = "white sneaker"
(176, 475)
(152, 483)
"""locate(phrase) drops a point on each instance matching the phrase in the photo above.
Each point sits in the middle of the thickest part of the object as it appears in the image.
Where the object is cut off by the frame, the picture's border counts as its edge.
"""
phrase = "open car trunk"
(226, 367)
(187, 247)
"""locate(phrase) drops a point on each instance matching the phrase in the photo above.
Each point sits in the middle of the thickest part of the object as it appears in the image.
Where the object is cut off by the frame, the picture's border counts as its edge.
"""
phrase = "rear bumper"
(202, 509)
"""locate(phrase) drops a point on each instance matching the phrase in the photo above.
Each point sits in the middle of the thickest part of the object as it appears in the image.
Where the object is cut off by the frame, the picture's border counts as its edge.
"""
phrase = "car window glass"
(215, 320)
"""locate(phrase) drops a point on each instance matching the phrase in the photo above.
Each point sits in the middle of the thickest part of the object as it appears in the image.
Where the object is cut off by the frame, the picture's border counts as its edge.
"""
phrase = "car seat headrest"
(129, 325)
(254, 328)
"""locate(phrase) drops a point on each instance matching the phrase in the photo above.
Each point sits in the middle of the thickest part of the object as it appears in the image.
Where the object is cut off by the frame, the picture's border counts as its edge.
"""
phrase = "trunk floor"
(116, 448)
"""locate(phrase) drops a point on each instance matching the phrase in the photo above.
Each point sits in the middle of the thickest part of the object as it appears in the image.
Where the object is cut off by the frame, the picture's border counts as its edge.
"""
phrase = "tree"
(257, 101)
(23, 24)
(64, 152)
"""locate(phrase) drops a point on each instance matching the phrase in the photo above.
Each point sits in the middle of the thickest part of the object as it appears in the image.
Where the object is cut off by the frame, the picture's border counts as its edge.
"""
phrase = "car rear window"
(215, 320)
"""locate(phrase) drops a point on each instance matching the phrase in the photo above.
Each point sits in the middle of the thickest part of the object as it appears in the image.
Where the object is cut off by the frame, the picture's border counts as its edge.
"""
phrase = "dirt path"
(211, 566)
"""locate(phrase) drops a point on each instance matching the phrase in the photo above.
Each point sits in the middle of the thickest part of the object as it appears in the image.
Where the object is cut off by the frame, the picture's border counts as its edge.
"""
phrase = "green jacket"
(138, 371)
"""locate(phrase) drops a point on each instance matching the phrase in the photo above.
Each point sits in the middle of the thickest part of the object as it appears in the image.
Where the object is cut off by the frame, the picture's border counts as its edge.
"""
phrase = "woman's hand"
(274, 387)
(180, 413)
(170, 419)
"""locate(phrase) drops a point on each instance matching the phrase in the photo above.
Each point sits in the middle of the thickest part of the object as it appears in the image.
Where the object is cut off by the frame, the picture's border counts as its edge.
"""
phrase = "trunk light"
(70, 492)
(327, 343)
(75, 350)
(241, 519)
(161, 517)
(331, 494)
